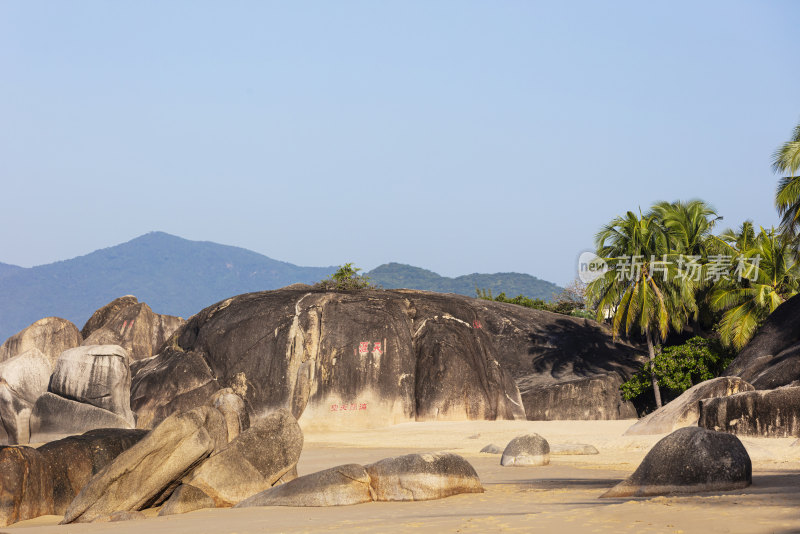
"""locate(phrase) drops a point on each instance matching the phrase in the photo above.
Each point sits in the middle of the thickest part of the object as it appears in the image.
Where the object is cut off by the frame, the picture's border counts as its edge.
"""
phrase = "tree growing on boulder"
(346, 278)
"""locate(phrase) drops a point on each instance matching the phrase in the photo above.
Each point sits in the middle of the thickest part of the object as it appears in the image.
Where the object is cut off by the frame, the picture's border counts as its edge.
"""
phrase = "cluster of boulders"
(207, 457)
(57, 381)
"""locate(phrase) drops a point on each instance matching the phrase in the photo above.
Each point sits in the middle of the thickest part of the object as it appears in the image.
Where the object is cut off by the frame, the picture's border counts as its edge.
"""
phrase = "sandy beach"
(561, 497)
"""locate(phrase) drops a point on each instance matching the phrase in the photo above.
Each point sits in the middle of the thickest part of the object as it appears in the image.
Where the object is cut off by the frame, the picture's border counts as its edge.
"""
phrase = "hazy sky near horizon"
(457, 136)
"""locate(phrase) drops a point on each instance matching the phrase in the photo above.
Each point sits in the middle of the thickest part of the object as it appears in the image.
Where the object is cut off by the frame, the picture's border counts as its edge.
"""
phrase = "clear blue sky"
(457, 136)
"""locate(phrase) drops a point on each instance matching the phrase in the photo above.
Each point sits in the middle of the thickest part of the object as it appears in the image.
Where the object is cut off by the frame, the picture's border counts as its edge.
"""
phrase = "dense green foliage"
(346, 278)
(786, 161)
(679, 367)
(396, 275)
(564, 303)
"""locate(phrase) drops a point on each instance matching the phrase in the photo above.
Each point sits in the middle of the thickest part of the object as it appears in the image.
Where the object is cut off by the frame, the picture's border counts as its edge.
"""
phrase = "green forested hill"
(398, 275)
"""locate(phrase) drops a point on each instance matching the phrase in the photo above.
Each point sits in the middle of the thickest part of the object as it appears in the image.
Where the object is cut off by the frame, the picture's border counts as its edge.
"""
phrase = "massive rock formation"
(774, 413)
(251, 463)
(102, 315)
(685, 410)
(772, 358)
(54, 417)
(51, 335)
(26, 489)
(592, 397)
(23, 378)
(95, 374)
(344, 359)
(147, 473)
(171, 382)
(74, 460)
(132, 325)
(690, 460)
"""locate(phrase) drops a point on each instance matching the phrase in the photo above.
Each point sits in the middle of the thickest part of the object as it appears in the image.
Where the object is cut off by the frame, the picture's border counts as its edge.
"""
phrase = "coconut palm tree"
(786, 161)
(770, 276)
(688, 225)
(641, 287)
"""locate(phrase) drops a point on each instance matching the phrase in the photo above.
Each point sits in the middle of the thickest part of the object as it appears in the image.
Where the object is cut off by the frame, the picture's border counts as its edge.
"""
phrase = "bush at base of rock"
(526, 450)
(690, 460)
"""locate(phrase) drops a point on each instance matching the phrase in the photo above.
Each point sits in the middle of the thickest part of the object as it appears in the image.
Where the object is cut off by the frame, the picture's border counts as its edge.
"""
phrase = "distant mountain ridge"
(177, 276)
(397, 275)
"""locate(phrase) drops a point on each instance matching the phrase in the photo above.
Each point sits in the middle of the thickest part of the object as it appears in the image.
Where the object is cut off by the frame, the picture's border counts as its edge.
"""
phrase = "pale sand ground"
(560, 498)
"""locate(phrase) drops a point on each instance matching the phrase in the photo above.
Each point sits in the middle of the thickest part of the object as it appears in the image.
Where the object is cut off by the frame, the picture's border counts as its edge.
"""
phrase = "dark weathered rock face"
(26, 490)
(51, 335)
(371, 358)
(23, 378)
(690, 460)
(252, 462)
(526, 450)
(593, 397)
(421, 477)
(339, 486)
(101, 316)
(772, 358)
(74, 460)
(685, 410)
(169, 383)
(147, 473)
(54, 417)
(95, 374)
(136, 328)
(774, 413)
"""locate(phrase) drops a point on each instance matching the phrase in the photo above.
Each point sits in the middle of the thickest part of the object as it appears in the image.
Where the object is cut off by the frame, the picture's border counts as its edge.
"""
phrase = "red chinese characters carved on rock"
(349, 407)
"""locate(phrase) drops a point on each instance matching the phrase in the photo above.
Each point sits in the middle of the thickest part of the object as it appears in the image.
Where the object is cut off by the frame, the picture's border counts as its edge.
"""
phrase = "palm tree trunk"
(652, 353)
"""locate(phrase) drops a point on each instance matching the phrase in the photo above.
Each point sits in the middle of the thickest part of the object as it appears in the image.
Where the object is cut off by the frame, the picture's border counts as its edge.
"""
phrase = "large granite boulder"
(73, 461)
(526, 450)
(372, 358)
(421, 477)
(593, 397)
(172, 382)
(690, 460)
(102, 315)
(685, 410)
(252, 462)
(338, 486)
(23, 378)
(233, 409)
(54, 417)
(773, 413)
(95, 374)
(51, 335)
(136, 328)
(147, 473)
(772, 358)
(26, 490)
